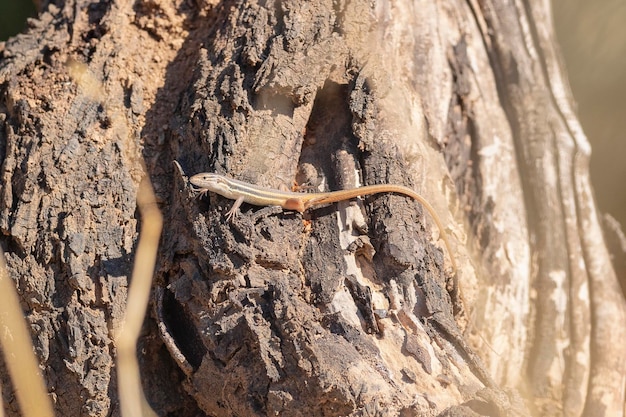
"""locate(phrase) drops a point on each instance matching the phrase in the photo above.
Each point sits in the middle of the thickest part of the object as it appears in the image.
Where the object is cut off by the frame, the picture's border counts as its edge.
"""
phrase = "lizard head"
(208, 181)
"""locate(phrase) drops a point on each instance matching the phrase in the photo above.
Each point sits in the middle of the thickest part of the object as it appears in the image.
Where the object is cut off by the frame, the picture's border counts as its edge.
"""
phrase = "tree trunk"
(348, 309)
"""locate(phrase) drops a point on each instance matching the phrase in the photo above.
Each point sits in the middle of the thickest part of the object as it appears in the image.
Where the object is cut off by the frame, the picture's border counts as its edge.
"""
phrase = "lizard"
(243, 192)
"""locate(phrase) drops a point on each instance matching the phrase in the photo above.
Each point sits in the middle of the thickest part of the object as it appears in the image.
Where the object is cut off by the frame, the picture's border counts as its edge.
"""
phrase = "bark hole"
(328, 132)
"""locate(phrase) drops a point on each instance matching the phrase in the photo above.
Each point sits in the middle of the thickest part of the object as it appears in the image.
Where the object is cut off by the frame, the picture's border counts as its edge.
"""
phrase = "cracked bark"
(351, 309)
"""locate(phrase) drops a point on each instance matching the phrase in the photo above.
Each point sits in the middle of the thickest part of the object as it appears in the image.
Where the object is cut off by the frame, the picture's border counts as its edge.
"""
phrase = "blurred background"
(592, 37)
(13, 14)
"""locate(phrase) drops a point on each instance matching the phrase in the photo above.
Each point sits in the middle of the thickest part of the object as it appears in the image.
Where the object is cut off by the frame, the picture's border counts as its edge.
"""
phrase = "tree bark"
(349, 309)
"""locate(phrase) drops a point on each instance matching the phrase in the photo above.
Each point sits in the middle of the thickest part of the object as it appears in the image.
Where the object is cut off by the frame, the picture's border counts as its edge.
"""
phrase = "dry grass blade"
(18, 351)
(1, 407)
(132, 400)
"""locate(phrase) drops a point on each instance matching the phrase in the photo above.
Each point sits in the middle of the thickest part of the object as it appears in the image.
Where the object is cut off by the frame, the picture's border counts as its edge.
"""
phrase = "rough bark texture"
(351, 309)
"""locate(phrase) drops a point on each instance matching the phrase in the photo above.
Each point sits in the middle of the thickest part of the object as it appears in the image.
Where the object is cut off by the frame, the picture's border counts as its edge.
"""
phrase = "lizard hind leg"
(296, 204)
